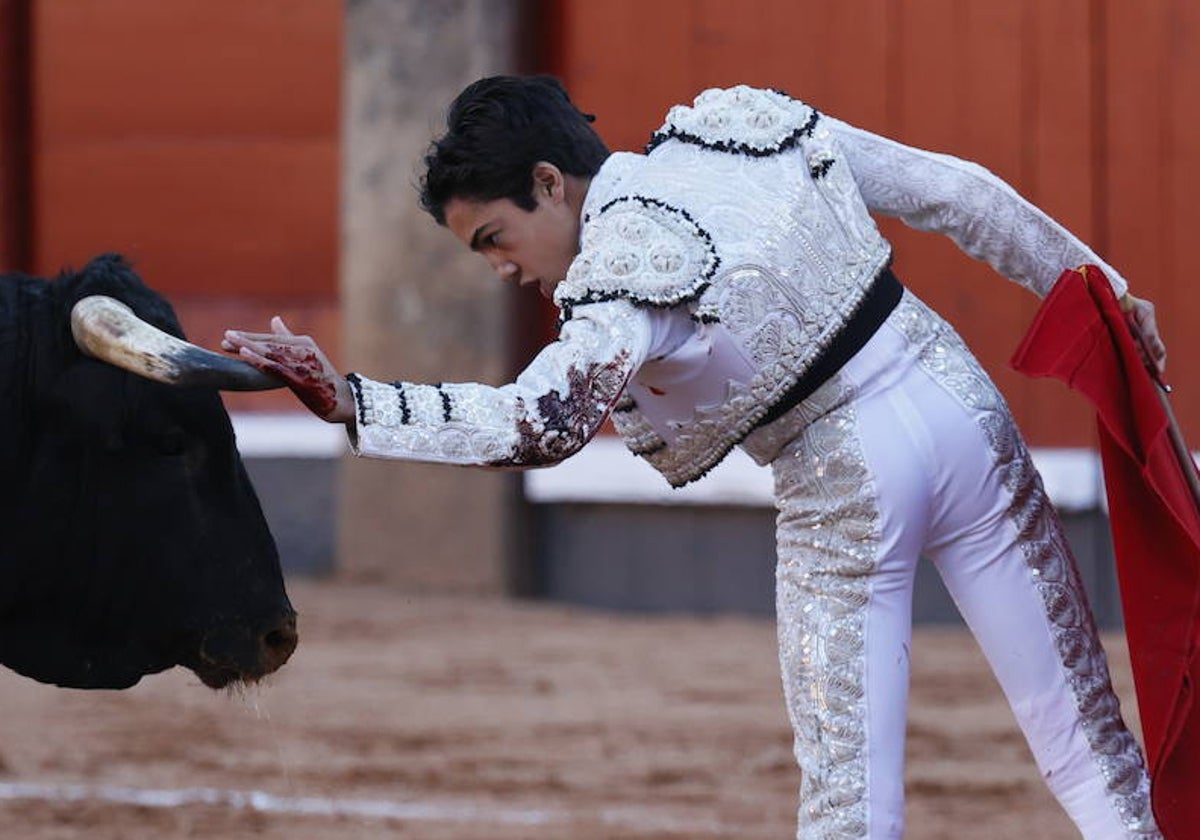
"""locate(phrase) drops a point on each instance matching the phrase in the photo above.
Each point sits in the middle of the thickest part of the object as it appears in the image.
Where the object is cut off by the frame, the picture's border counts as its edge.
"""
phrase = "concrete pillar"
(416, 305)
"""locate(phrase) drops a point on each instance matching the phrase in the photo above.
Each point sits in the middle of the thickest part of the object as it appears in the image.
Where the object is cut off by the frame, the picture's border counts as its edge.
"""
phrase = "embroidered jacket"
(712, 272)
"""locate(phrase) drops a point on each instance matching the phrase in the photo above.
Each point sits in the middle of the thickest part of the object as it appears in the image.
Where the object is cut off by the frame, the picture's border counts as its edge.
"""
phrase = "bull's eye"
(172, 442)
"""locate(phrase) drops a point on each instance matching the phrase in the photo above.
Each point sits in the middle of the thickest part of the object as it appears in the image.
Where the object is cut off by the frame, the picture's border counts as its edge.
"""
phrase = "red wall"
(200, 138)
(1086, 106)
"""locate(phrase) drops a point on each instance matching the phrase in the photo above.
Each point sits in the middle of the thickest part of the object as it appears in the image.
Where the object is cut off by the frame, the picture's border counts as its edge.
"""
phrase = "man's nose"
(506, 269)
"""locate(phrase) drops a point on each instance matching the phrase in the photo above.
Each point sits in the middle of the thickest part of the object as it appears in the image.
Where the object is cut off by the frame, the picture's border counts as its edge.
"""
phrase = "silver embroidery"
(982, 214)
(1049, 561)
(551, 411)
(741, 119)
(782, 326)
(637, 432)
(828, 547)
(640, 249)
(774, 184)
(797, 257)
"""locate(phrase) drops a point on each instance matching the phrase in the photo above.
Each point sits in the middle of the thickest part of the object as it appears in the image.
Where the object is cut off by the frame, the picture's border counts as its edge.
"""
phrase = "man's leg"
(844, 602)
(1014, 579)
(1000, 549)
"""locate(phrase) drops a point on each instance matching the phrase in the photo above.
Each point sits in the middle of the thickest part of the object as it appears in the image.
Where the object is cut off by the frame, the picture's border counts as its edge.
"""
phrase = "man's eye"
(490, 241)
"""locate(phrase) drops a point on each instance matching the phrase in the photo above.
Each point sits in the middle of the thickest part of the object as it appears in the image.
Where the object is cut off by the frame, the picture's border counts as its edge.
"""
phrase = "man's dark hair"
(498, 128)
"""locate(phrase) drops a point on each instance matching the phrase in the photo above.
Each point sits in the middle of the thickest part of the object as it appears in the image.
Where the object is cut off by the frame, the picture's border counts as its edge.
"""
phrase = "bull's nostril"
(279, 643)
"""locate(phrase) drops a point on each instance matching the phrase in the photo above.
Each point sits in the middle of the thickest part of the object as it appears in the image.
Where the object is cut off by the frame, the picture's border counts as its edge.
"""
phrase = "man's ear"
(548, 182)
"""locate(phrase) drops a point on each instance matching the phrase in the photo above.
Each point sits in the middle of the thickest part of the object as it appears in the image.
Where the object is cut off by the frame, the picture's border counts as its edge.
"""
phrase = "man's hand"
(1141, 314)
(298, 361)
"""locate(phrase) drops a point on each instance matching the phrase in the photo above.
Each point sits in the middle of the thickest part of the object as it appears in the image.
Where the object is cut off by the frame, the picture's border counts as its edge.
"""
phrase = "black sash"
(883, 296)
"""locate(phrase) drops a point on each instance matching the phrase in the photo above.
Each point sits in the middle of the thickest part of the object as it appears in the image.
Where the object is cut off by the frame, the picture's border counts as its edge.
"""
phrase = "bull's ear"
(89, 401)
(106, 329)
(114, 276)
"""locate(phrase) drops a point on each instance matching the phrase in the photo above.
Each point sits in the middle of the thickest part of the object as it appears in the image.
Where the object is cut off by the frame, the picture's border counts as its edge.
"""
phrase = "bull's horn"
(106, 329)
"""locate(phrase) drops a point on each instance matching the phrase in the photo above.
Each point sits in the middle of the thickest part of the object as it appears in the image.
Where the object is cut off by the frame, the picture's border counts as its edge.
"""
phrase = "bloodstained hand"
(301, 369)
(299, 362)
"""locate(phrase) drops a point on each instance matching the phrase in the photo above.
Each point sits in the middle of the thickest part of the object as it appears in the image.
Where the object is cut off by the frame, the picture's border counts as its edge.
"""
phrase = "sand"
(439, 718)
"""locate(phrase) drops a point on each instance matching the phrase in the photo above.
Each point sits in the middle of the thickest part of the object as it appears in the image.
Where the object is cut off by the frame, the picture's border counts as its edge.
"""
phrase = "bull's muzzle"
(239, 654)
(106, 329)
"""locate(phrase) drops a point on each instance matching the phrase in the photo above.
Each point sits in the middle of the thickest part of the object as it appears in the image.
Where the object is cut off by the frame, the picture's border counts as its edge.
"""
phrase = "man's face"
(522, 246)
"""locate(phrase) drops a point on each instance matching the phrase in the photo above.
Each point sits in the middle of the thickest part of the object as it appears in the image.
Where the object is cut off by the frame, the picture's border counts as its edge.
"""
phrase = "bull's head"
(139, 541)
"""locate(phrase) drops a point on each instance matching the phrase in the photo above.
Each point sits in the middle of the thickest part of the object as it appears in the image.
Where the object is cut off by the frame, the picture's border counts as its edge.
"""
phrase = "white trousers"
(908, 452)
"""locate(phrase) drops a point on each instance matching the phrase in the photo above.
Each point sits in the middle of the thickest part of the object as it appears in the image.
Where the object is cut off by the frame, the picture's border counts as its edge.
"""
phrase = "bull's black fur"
(131, 539)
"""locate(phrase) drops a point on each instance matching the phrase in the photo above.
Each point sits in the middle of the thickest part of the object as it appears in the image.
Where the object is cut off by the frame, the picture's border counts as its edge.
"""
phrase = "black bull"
(131, 539)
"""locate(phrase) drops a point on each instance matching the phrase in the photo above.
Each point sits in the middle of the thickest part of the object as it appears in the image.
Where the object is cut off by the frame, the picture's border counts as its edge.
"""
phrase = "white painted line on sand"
(376, 809)
(257, 800)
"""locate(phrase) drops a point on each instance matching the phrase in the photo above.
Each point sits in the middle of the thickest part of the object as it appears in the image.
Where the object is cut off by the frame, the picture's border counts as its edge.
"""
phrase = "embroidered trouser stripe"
(913, 453)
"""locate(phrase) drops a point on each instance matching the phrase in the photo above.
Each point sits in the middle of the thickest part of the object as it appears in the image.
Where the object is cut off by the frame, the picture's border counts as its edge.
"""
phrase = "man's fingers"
(1159, 351)
(238, 337)
(279, 330)
(261, 362)
(1154, 343)
(1150, 343)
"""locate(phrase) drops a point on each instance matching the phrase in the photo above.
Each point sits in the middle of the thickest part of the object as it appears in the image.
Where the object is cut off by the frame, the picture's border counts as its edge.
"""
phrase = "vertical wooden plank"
(961, 91)
(1134, 75)
(1060, 166)
(927, 69)
(14, 136)
(1152, 76)
(994, 120)
(1181, 211)
(731, 46)
(859, 90)
(1060, 143)
(627, 62)
(922, 113)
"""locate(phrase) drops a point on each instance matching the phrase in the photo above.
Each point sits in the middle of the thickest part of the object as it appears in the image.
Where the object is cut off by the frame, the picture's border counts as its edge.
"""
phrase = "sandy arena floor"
(446, 719)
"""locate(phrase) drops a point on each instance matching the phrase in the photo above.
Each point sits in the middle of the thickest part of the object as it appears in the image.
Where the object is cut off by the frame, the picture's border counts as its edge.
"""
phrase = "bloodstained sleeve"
(555, 406)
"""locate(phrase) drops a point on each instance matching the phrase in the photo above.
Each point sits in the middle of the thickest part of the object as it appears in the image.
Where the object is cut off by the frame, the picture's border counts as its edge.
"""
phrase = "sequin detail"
(797, 255)
(740, 120)
(781, 333)
(828, 532)
(637, 433)
(1049, 561)
(640, 249)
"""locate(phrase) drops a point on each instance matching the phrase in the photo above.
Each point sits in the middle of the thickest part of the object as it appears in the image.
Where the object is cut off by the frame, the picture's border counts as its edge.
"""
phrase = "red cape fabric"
(1080, 336)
